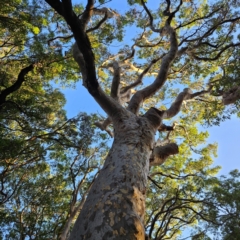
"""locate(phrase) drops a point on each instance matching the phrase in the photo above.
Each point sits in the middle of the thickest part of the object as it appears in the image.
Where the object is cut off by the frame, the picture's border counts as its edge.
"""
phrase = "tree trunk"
(115, 206)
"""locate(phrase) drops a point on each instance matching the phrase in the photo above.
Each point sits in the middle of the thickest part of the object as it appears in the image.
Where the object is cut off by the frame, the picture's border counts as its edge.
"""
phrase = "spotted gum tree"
(115, 205)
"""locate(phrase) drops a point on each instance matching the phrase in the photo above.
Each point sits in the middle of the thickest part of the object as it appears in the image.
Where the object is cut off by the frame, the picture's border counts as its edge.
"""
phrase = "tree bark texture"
(115, 206)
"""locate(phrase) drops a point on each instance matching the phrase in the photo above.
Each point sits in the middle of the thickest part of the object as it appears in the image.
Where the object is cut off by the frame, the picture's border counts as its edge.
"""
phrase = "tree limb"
(115, 94)
(115, 88)
(125, 93)
(16, 85)
(103, 125)
(78, 27)
(161, 153)
(56, 5)
(164, 127)
(139, 79)
(99, 24)
(150, 90)
(185, 95)
(87, 13)
(176, 105)
(195, 56)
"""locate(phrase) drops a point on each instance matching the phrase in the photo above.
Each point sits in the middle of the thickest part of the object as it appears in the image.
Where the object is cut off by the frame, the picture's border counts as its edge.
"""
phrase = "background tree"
(54, 188)
(224, 207)
(47, 161)
(32, 117)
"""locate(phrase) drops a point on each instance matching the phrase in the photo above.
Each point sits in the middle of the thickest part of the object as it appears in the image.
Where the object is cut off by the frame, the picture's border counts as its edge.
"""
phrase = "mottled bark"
(115, 206)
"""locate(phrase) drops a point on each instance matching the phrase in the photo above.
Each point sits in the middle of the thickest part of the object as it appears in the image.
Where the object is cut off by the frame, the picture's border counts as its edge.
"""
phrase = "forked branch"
(161, 78)
(122, 95)
(16, 85)
(85, 56)
(139, 97)
(115, 94)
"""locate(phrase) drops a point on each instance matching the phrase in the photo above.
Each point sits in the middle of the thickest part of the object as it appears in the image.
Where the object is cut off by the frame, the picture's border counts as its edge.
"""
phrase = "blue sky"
(227, 135)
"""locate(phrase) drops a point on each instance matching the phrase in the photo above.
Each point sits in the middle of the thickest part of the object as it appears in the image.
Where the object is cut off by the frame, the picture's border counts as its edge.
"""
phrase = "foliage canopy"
(49, 162)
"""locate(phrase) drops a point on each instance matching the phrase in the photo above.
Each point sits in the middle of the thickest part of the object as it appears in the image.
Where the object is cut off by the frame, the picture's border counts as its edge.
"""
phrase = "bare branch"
(150, 16)
(104, 126)
(210, 31)
(164, 127)
(131, 54)
(139, 80)
(194, 55)
(125, 93)
(154, 182)
(161, 153)
(171, 15)
(166, 12)
(170, 201)
(173, 176)
(149, 45)
(78, 57)
(105, 11)
(176, 106)
(200, 18)
(86, 56)
(200, 93)
(115, 94)
(185, 95)
(59, 37)
(56, 5)
(83, 43)
(99, 24)
(148, 91)
(16, 85)
(87, 13)
(115, 88)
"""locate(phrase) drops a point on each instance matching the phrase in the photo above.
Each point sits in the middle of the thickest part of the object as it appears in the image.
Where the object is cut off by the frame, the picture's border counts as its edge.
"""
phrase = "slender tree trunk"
(115, 206)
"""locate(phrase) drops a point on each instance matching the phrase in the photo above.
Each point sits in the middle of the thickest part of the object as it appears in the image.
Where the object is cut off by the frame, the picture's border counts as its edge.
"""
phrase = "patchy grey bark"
(115, 206)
